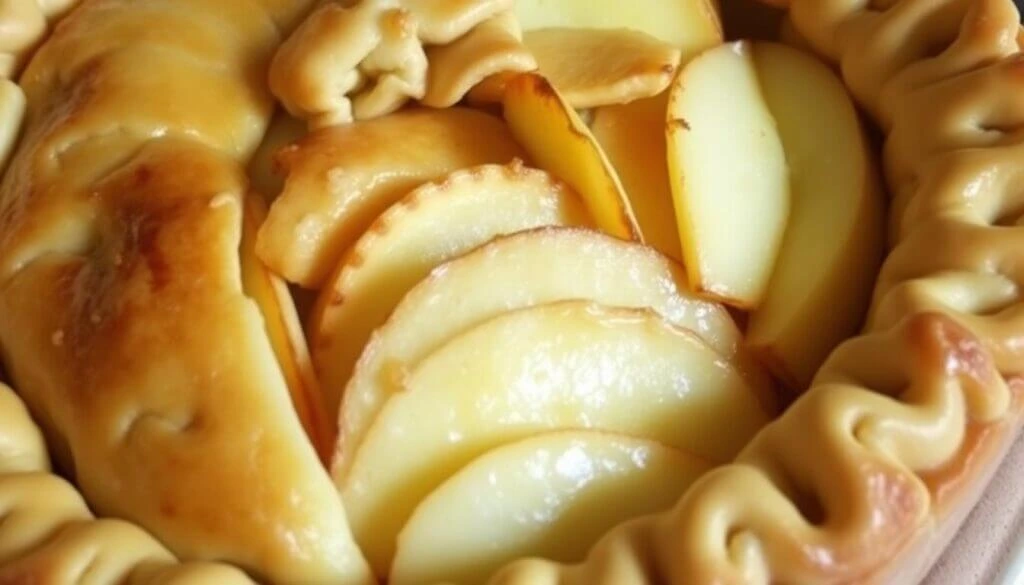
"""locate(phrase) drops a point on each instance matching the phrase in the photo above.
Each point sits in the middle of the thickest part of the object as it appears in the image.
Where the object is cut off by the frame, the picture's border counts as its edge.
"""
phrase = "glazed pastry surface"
(48, 535)
(911, 418)
(367, 60)
(123, 319)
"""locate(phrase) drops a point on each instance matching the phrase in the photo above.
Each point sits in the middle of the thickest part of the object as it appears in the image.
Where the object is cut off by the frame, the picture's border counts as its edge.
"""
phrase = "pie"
(503, 291)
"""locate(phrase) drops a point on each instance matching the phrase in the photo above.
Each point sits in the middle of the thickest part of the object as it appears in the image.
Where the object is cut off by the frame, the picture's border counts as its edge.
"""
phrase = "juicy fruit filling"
(552, 308)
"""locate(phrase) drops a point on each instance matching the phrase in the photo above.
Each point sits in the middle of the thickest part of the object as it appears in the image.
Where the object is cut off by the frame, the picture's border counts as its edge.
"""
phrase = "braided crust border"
(866, 478)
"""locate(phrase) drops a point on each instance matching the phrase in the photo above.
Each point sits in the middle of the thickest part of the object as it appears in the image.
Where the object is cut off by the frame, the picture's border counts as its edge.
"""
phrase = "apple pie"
(503, 291)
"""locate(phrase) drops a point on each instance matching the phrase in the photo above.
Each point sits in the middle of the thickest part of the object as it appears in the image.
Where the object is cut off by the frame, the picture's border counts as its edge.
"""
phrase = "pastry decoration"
(365, 61)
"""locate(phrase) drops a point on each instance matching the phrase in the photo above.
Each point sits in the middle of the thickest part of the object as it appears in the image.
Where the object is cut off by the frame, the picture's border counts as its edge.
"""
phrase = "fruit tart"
(503, 291)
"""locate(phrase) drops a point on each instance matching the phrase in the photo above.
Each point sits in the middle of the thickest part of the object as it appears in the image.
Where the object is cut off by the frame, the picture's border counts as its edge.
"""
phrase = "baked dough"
(363, 61)
(48, 535)
(123, 321)
(867, 476)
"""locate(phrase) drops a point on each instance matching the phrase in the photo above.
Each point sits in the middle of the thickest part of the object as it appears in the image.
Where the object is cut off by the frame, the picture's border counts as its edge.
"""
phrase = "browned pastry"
(48, 535)
(123, 318)
(911, 418)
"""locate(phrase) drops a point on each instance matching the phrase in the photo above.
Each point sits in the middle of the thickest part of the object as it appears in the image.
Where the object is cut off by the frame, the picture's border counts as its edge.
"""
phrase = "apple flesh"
(690, 25)
(432, 224)
(560, 143)
(12, 110)
(633, 137)
(284, 330)
(728, 175)
(822, 283)
(553, 367)
(522, 270)
(340, 179)
(551, 496)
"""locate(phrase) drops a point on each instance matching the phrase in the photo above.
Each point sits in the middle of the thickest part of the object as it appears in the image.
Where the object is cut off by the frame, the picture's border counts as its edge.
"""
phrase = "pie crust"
(139, 119)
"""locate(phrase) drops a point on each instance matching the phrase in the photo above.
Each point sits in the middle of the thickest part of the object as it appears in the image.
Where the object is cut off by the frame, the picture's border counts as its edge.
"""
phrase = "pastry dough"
(910, 419)
(367, 60)
(123, 320)
(47, 535)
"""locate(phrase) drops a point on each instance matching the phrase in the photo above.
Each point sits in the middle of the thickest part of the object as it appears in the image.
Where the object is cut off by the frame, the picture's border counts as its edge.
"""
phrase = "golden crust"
(493, 47)
(348, 63)
(866, 477)
(48, 535)
(123, 318)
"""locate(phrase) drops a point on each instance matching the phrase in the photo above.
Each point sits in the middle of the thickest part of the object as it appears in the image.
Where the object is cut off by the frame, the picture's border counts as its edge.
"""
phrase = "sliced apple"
(691, 25)
(340, 179)
(270, 293)
(521, 270)
(566, 365)
(559, 142)
(822, 283)
(12, 110)
(633, 137)
(728, 175)
(434, 223)
(551, 496)
(608, 52)
(599, 67)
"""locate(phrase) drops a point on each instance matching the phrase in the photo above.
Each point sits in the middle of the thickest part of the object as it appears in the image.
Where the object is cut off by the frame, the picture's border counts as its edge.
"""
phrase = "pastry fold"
(868, 475)
(48, 535)
(124, 323)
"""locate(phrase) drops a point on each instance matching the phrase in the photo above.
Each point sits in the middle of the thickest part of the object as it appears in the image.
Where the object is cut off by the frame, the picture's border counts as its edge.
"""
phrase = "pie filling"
(504, 291)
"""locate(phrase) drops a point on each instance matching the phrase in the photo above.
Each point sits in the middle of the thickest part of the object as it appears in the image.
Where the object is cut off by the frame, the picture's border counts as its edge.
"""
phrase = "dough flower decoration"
(367, 60)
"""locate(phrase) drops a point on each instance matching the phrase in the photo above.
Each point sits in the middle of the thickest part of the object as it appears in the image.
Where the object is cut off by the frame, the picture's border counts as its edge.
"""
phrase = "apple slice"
(633, 137)
(550, 496)
(12, 110)
(434, 223)
(340, 179)
(608, 52)
(690, 25)
(567, 365)
(822, 283)
(599, 67)
(728, 175)
(521, 270)
(560, 143)
(284, 330)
